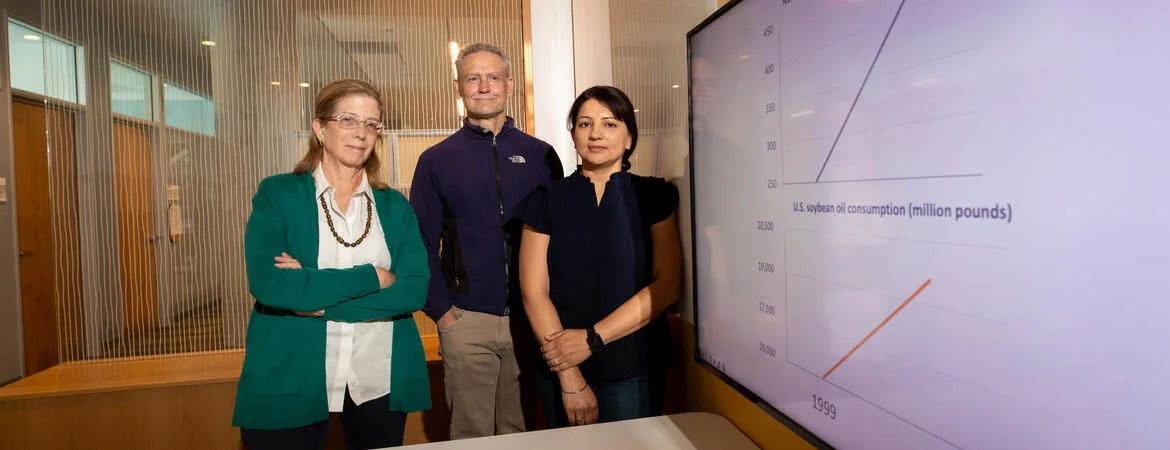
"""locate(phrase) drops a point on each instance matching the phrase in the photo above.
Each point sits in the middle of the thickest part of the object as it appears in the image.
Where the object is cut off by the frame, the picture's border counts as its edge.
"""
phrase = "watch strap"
(594, 340)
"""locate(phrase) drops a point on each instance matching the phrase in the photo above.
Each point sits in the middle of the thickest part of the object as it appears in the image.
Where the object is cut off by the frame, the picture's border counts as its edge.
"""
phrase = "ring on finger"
(556, 361)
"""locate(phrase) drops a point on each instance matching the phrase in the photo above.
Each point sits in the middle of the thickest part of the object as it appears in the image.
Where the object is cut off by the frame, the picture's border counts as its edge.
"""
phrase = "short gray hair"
(481, 47)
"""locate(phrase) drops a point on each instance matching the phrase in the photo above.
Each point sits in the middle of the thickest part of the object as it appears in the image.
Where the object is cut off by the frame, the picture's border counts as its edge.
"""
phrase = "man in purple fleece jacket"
(464, 191)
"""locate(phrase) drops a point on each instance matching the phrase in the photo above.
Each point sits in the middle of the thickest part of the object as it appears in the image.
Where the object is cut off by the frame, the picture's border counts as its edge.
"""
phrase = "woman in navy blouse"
(599, 262)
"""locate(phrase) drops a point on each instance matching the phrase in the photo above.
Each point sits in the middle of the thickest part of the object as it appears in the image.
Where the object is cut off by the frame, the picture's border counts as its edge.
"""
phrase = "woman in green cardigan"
(337, 268)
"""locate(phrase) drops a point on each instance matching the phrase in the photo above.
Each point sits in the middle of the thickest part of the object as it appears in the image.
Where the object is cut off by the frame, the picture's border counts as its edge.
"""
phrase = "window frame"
(162, 118)
(80, 60)
(155, 94)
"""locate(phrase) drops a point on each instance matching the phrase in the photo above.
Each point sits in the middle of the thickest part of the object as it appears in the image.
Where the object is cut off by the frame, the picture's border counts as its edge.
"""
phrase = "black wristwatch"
(594, 340)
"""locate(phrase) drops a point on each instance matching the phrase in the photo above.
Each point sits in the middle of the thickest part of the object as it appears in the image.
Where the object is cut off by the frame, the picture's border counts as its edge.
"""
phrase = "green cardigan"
(283, 381)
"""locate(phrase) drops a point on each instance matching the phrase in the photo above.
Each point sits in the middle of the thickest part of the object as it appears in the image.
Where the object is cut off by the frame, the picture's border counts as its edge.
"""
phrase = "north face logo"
(517, 159)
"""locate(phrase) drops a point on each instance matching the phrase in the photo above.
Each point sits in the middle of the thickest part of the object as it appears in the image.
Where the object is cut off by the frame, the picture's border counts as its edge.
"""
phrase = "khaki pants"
(481, 375)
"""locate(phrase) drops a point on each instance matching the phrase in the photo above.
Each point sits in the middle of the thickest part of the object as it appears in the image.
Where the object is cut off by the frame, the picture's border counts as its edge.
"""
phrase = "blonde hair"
(325, 107)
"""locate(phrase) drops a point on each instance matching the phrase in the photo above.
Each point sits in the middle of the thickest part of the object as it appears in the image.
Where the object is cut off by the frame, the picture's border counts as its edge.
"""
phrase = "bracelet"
(578, 391)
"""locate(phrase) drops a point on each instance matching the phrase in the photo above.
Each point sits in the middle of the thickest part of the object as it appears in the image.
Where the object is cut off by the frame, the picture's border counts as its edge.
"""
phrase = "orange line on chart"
(875, 329)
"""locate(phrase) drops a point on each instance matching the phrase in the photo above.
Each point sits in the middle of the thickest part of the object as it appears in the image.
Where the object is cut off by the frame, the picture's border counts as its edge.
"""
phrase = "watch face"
(594, 341)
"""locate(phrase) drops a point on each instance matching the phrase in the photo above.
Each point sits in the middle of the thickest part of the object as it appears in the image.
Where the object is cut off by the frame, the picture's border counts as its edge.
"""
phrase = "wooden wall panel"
(183, 417)
(190, 416)
(177, 402)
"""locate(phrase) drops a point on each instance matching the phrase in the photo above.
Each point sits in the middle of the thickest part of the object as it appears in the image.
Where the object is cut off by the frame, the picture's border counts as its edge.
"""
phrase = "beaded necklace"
(369, 219)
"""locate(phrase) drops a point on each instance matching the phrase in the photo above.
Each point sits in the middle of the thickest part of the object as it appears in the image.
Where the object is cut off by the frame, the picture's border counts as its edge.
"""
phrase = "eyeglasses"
(347, 121)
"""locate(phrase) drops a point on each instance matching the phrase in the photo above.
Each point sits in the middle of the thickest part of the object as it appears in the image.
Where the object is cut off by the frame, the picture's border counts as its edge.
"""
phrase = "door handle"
(23, 254)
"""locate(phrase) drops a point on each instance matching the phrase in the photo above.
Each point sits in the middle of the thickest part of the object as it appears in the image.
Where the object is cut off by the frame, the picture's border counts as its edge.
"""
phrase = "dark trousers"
(369, 425)
(631, 398)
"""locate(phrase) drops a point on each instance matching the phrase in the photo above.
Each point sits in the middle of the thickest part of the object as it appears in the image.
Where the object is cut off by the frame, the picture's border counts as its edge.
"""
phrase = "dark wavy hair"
(619, 104)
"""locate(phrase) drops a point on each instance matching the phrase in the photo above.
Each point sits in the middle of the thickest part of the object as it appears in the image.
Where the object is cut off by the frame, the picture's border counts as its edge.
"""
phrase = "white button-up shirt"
(357, 355)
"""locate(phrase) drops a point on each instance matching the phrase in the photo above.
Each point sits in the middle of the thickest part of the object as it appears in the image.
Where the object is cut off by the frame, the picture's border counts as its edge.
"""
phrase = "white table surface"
(676, 431)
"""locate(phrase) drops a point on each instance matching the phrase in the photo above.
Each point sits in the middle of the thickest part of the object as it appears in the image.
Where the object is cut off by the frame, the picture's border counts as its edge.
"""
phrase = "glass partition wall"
(159, 118)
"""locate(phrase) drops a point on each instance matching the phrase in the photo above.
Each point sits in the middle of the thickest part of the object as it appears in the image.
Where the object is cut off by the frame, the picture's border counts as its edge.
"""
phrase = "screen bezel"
(770, 409)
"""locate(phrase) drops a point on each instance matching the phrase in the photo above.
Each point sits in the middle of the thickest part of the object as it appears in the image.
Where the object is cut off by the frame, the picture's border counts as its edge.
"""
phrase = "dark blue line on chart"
(861, 89)
(779, 117)
(862, 180)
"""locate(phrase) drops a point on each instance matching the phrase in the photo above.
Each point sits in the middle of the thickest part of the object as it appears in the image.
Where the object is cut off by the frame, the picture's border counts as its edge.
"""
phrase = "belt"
(270, 311)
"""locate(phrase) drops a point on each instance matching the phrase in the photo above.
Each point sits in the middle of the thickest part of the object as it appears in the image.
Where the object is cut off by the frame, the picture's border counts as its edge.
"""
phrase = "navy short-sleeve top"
(600, 255)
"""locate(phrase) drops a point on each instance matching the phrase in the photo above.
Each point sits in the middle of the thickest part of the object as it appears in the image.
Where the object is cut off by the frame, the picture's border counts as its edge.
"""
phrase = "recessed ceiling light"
(274, 83)
(208, 43)
(32, 37)
(303, 84)
(674, 86)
